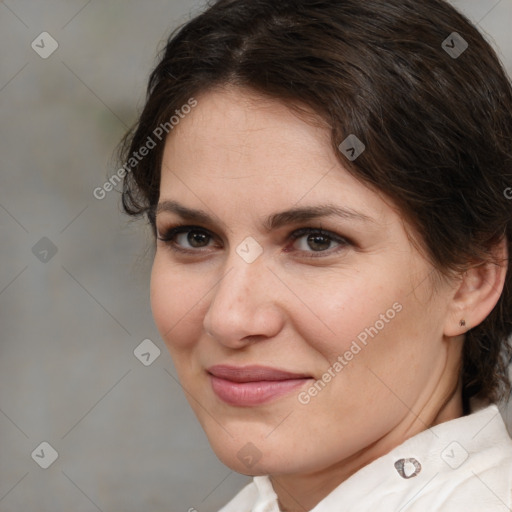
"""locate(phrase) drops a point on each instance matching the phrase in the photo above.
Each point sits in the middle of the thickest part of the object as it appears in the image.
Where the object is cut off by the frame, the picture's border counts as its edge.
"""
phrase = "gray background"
(125, 436)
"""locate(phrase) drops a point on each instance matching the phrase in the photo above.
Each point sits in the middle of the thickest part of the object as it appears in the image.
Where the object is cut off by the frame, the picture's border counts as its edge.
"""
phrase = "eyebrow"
(274, 221)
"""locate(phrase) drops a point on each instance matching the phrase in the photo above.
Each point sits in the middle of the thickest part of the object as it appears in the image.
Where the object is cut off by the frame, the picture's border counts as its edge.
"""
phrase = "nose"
(245, 306)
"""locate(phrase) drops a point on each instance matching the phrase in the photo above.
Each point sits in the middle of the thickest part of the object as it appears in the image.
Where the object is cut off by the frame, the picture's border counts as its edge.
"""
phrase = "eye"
(186, 238)
(310, 242)
(314, 240)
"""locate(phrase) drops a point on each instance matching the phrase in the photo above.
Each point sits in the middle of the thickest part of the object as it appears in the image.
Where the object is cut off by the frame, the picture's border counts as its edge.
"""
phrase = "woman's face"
(301, 321)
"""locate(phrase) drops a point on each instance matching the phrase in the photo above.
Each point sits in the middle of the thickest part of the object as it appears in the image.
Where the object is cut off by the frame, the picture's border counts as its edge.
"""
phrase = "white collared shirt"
(462, 465)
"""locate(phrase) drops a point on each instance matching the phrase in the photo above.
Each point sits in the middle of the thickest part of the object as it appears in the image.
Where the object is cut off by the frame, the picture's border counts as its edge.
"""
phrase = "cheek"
(373, 324)
(388, 349)
(176, 303)
(344, 309)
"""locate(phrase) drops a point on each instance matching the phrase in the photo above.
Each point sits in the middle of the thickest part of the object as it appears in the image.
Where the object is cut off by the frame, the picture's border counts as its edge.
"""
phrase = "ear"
(477, 292)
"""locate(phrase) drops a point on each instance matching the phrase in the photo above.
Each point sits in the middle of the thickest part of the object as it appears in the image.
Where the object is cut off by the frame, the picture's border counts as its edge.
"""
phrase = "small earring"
(462, 323)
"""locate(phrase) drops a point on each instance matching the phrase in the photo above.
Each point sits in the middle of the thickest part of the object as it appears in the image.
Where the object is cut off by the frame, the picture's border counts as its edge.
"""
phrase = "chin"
(260, 456)
(256, 467)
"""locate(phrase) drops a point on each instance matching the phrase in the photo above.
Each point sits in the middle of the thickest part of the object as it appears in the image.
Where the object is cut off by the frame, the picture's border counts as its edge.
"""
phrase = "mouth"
(246, 386)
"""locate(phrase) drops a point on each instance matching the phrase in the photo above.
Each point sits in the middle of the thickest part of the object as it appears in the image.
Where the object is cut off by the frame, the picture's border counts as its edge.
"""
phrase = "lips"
(252, 385)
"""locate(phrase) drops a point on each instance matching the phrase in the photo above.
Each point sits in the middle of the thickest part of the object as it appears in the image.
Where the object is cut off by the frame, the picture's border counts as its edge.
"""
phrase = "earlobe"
(477, 292)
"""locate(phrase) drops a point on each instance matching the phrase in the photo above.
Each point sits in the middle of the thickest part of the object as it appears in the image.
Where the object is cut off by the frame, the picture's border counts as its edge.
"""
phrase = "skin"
(240, 158)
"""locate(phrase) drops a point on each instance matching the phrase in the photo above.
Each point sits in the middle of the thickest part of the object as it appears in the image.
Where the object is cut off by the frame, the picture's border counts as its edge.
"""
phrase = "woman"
(326, 181)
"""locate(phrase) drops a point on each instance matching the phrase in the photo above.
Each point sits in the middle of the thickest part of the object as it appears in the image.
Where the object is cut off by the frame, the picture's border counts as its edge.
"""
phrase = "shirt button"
(408, 468)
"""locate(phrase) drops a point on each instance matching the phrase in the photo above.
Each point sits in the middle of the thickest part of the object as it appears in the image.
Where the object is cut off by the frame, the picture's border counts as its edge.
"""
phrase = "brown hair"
(435, 117)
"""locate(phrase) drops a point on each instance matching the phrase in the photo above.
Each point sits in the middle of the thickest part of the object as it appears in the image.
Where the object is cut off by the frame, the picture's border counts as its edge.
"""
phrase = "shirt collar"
(465, 462)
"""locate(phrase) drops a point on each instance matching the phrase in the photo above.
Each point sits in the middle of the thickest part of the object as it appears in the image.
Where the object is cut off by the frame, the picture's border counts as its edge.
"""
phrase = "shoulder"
(467, 463)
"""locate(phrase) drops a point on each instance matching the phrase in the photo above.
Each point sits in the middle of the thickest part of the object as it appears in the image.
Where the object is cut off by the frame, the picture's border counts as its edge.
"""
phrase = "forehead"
(233, 126)
(254, 152)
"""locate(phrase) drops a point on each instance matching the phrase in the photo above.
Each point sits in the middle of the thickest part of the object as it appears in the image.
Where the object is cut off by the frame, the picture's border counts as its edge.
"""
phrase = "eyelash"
(170, 234)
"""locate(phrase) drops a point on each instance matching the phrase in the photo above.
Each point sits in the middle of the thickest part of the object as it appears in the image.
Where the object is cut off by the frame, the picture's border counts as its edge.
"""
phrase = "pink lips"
(252, 385)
